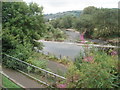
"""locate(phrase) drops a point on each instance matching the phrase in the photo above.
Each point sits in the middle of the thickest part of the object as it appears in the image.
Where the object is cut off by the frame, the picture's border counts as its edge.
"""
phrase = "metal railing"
(11, 80)
(47, 77)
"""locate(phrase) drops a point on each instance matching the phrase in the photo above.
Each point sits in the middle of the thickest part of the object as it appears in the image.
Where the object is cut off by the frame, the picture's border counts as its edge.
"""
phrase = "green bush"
(64, 60)
(100, 73)
(20, 30)
(52, 57)
(37, 62)
(60, 39)
(54, 34)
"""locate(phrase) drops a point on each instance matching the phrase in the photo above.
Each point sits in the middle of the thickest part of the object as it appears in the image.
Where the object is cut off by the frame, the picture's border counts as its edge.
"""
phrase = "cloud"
(54, 6)
(56, 3)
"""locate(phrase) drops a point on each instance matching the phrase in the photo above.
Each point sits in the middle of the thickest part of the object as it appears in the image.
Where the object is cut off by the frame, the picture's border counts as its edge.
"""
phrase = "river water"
(62, 48)
(66, 48)
(72, 36)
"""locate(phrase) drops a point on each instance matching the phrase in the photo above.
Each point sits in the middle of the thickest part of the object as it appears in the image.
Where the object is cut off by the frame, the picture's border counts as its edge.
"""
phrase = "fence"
(11, 80)
(44, 76)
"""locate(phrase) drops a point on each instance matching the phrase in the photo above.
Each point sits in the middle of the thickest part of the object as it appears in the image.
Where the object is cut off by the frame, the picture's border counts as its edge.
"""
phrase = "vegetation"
(98, 22)
(98, 70)
(63, 22)
(9, 84)
(75, 13)
(36, 60)
(55, 34)
(22, 25)
(39, 57)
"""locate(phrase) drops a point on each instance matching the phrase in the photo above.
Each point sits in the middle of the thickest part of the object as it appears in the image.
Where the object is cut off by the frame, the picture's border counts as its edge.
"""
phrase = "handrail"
(36, 67)
(12, 79)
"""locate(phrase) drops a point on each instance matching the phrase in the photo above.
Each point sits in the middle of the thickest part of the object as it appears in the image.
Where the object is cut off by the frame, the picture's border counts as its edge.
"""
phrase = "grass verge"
(8, 83)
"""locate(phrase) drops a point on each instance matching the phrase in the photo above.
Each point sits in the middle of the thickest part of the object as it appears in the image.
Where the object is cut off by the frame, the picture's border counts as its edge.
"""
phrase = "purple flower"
(88, 59)
(82, 38)
(113, 53)
(61, 86)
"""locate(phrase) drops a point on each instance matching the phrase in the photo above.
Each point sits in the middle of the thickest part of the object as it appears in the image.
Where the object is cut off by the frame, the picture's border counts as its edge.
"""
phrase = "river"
(62, 48)
(66, 48)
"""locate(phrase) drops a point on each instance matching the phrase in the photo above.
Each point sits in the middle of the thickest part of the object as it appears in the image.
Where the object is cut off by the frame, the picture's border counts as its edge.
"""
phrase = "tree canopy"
(22, 24)
(99, 22)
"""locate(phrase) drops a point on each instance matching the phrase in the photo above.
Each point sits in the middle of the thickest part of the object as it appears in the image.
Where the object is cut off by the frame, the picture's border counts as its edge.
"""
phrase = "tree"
(106, 23)
(98, 22)
(89, 10)
(63, 22)
(22, 24)
(85, 21)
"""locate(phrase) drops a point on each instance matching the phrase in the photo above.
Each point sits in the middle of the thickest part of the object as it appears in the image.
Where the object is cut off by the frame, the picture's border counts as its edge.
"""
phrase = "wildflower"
(88, 59)
(82, 37)
(113, 53)
(61, 86)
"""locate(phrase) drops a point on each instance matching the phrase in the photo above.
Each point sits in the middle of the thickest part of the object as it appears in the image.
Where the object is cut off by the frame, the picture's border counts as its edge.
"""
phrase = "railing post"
(60, 56)
(75, 59)
(48, 53)
(67, 57)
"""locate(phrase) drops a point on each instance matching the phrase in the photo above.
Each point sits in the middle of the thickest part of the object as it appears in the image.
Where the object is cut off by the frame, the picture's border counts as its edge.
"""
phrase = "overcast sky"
(55, 6)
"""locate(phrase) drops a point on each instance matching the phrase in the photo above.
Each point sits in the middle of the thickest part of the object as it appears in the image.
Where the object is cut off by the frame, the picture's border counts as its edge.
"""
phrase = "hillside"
(75, 13)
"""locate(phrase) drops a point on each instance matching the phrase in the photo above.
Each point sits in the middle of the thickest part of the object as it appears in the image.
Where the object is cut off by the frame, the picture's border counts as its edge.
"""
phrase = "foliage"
(22, 24)
(73, 75)
(84, 23)
(37, 61)
(75, 13)
(51, 57)
(100, 73)
(106, 23)
(54, 34)
(99, 22)
(63, 22)
(64, 60)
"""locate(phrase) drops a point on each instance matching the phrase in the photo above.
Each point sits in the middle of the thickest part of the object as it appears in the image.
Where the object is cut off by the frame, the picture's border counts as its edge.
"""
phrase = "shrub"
(64, 60)
(73, 75)
(37, 62)
(101, 73)
(52, 57)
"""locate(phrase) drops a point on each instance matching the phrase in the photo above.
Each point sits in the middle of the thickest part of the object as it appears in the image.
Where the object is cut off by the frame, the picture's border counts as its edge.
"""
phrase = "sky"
(55, 6)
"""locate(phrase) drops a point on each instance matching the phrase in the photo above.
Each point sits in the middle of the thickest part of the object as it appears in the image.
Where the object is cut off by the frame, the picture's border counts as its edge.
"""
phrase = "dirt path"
(22, 79)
